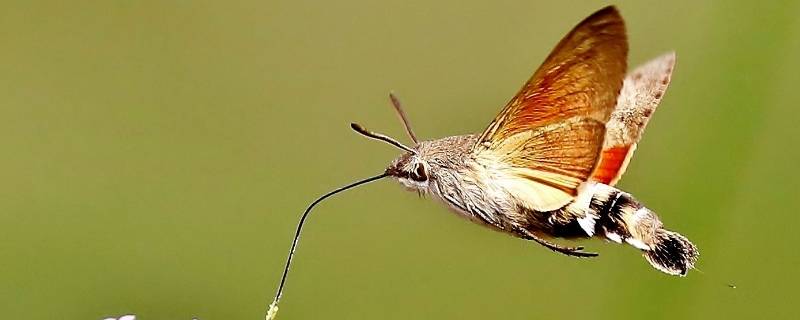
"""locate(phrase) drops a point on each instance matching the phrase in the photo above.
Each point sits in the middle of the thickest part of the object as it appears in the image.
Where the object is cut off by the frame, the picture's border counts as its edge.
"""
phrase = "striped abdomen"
(604, 211)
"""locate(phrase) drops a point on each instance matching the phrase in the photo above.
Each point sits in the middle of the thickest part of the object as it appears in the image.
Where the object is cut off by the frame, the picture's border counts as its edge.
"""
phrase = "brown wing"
(548, 138)
(582, 76)
(641, 93)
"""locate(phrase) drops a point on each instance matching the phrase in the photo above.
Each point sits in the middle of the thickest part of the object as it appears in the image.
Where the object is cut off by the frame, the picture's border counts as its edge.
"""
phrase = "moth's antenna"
(358, 128)
(273, 308)
(402, 114)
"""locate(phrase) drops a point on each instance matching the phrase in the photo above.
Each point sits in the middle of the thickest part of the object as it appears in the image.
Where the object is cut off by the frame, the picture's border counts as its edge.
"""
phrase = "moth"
(546, 166)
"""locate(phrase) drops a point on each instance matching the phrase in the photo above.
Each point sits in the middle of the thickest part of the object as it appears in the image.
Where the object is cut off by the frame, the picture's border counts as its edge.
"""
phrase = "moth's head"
(412, 170)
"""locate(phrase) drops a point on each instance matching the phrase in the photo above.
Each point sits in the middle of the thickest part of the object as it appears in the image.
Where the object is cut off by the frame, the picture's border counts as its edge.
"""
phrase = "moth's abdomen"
(621, 218)
(604, 211)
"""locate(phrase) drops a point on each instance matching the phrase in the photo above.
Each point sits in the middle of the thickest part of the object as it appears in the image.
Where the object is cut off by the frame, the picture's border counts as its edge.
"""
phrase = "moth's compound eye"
(419, 173)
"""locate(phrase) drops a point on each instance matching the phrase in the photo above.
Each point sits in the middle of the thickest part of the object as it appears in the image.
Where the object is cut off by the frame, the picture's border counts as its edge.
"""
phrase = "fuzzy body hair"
(454, 180)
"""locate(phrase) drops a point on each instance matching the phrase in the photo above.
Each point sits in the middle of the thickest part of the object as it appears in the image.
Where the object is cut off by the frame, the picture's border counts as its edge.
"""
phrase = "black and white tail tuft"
(671, 252)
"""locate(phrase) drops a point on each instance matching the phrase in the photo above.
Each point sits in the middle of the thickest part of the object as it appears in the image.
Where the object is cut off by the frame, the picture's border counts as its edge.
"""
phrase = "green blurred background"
(156, 156)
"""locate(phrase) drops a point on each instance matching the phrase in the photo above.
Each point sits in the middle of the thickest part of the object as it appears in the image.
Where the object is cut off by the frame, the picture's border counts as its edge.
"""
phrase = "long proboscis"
(273, 306)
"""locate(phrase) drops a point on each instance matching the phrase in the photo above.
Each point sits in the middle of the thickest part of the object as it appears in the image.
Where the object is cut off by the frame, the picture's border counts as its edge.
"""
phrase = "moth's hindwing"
(641, 93)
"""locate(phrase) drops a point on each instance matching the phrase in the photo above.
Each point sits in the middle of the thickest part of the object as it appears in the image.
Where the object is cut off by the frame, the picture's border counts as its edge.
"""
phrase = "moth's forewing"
(641, 93)
(547, 139)
(582, 76)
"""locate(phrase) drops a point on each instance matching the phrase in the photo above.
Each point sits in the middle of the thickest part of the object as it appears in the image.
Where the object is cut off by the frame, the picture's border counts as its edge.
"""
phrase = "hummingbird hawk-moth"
(546, 166)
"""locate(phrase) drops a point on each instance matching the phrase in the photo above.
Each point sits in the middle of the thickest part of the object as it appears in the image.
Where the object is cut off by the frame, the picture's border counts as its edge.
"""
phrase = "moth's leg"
(570, 251)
